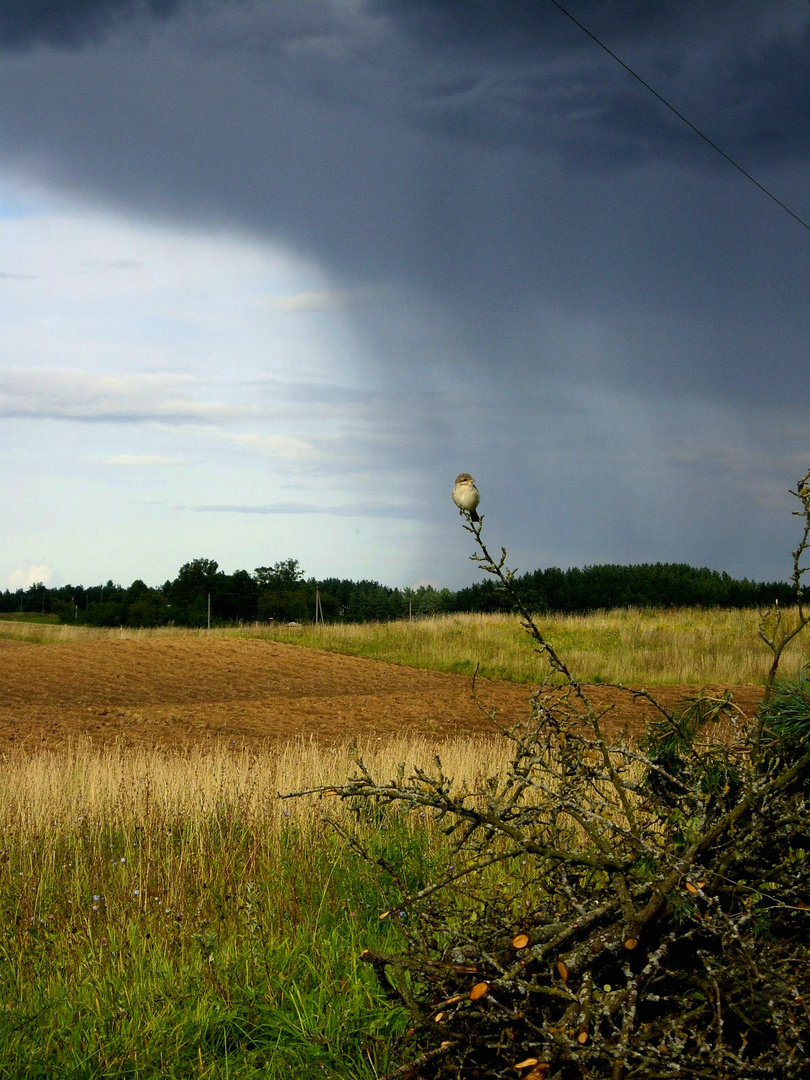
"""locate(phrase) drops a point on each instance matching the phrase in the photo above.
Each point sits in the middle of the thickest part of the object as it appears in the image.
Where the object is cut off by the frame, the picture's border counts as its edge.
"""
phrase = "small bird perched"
(465, 495)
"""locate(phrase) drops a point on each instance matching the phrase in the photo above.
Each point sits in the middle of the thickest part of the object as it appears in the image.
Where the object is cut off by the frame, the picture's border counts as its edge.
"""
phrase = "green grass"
(36, 617)
(193, 947)
(166, 915)
(634, 646)
(242, 963)
(214, 955)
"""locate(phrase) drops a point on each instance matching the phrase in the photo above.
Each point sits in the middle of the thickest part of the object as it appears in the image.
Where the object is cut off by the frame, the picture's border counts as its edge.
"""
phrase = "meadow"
(165, 913)
(633, 646)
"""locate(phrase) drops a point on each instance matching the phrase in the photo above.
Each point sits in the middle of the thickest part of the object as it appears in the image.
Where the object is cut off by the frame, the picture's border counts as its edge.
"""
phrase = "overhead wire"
(680, 115)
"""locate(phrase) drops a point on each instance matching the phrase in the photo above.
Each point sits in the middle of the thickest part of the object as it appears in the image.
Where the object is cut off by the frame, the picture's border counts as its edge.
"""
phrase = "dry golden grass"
(56, 633)
(129, 789)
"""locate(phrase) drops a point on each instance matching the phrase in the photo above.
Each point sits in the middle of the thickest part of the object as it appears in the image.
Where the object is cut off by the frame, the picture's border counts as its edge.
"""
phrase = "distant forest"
(281, 592)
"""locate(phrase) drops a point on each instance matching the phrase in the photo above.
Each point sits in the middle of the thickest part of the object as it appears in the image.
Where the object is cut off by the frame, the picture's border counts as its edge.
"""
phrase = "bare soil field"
(176, 693)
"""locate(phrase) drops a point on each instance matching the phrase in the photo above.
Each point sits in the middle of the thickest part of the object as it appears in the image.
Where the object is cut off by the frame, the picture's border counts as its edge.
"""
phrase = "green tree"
(238, 599)
(282, 593)
(145, 606)
(189, 592)
(281, 576)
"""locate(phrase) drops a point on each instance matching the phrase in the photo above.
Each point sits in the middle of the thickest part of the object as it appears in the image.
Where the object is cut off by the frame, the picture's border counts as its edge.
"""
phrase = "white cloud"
(289, 447)
(140, 459)
(312, 300)
(323, 299)
(95, 291)
(30, 575)
(66, 394)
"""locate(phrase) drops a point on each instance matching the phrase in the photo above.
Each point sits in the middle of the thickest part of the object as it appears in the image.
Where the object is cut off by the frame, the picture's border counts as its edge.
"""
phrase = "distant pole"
(318, 606)
(410, 609)
(209, 611)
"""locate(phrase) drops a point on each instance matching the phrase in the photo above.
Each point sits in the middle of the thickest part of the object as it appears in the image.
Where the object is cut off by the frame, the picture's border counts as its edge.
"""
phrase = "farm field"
(165, 689)
(164, 913)
(165, 692)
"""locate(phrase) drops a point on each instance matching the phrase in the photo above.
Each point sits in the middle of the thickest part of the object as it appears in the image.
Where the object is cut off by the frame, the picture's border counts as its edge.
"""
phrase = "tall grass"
(633, 646)
(165, 914)
(126, 786)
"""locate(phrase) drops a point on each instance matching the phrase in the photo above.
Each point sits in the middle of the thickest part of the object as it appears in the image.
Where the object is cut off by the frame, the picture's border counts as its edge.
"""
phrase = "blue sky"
(272, 275)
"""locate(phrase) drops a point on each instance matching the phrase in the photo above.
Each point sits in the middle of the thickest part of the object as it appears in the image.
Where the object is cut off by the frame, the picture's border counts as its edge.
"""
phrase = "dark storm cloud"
(71, 23)
(529, 71)
(522, 71)
(489, 158)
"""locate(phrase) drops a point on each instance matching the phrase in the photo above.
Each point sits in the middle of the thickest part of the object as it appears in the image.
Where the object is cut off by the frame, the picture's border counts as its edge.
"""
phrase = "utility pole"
(209, 611)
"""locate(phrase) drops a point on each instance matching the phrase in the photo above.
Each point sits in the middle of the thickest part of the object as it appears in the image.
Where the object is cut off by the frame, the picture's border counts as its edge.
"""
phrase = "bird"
(465, 495)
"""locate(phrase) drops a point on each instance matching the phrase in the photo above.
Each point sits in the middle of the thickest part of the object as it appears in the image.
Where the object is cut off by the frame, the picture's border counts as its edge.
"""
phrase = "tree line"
(281, 592)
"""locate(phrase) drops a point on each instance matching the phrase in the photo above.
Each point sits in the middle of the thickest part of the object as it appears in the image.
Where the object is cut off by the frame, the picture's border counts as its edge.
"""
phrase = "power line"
(680, 115)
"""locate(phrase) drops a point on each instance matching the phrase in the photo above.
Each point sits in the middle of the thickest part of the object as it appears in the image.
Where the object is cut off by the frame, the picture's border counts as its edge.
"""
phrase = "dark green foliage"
(787, 712)
(594, 588)
(279, 592)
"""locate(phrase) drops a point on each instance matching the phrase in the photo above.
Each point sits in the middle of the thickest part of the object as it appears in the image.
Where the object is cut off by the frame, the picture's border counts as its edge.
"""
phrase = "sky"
(273, 273)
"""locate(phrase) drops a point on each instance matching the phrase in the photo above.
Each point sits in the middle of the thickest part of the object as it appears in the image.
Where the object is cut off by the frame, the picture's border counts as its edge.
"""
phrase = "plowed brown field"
(163, 692)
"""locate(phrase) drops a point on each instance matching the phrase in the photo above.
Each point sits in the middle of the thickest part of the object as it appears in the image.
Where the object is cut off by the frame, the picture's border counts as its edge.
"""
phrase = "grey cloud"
(314, 393)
